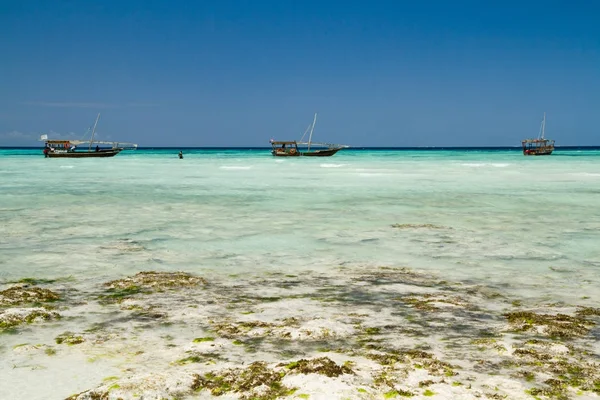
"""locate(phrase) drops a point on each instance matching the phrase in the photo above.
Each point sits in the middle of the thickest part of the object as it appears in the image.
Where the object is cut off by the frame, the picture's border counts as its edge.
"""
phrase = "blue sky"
(237, 73)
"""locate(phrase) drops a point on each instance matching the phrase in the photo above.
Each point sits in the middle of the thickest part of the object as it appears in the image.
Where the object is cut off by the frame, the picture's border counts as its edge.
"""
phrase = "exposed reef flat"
(351, 333)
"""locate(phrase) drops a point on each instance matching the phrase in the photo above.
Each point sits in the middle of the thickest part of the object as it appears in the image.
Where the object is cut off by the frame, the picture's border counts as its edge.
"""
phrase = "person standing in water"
(180, 155)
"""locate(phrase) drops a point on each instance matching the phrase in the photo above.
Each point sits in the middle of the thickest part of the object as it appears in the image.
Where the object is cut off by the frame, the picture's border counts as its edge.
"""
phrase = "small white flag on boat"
(44, 137)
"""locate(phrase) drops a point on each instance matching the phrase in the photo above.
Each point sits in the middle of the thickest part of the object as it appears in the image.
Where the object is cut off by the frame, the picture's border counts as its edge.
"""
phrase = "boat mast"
(311, 131)
(93, 132)
(544, 126)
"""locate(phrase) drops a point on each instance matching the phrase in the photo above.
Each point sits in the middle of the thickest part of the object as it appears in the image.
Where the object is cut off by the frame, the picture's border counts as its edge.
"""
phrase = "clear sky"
(238, 73)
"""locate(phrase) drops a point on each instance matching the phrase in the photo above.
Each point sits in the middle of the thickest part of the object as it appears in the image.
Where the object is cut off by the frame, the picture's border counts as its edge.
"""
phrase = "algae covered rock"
(69, 338)
(151, 280)
(321, 366)
(558, 325)
(25, 294)
(148, 282)
(148, 387)
(257, 381)
(12, 317)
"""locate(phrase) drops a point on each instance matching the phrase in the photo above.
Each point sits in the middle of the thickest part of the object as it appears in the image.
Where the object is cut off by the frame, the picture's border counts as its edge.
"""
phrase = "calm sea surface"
(496, 215)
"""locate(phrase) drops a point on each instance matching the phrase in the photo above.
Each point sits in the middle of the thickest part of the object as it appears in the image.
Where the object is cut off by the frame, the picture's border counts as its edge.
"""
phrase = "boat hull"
(537, 153)
(320, 153)
(315, 153)
(85, 154)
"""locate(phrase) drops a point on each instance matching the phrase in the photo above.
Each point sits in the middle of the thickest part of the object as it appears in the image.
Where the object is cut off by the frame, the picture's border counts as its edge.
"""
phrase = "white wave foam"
(67, 166)
(375, 170)
(332, 165)
(586, 174)
(473, 164)
(371, 174)
(479, 165)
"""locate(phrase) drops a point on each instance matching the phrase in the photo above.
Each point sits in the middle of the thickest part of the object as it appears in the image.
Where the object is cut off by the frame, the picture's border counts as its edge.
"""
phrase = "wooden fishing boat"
(293, 148)
(68, 148)
(540, 146)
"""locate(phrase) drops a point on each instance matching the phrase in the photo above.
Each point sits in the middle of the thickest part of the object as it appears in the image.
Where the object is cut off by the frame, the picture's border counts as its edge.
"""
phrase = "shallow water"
(527, 227)
(501, 216)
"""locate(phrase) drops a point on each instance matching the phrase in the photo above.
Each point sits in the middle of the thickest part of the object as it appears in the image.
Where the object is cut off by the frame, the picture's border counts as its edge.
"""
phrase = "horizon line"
(348, 148)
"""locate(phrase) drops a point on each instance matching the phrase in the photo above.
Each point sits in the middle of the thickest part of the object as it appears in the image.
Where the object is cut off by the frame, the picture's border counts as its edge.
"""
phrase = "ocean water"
(504, 217)
(525, 226)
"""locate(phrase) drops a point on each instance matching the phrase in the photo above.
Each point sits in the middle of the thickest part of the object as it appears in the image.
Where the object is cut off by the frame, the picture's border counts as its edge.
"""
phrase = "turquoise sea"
(527, 228)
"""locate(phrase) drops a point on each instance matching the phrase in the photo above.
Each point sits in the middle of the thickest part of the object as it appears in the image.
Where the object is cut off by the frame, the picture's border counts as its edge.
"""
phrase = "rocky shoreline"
(364, 333)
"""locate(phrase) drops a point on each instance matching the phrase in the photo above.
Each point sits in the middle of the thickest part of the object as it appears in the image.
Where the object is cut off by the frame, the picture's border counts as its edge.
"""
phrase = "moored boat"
(539, 146)
(68, 148)
(293, 148)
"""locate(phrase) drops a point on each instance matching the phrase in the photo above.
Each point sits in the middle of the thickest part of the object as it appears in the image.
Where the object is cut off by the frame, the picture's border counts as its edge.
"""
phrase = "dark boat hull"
(315, 153)
(85, 154)
(537, 153)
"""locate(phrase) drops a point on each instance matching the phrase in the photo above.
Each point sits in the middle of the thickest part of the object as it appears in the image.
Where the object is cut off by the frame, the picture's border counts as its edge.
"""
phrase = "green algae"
(69, 338)
(428, 393)
(588, 312)
(559, 325)
(418, 226)
(245, 382)
(230, 330)
(321, 366)
(190, 360)
(419, 304)
(528, 375)
(50, 351)
(238, 343)
(24, 294)
(397, 392)
(488, 343)
(117, 295)
(10, 320)
(148, 282)
(372, 331)
(204, 339)
(306, 396)
(417, 358)
(484, 341)
(42, 281)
